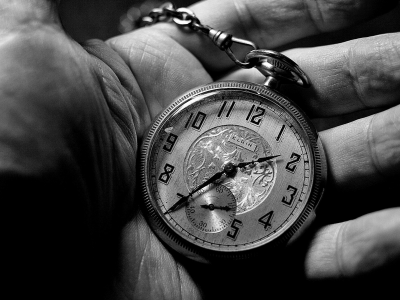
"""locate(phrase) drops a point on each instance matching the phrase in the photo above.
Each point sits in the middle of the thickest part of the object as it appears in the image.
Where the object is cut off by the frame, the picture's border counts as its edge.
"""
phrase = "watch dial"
(204, 131)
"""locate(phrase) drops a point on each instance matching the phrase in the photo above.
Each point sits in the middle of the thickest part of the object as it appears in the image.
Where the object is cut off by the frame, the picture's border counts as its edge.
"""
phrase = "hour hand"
(185, 199)
(178, 204)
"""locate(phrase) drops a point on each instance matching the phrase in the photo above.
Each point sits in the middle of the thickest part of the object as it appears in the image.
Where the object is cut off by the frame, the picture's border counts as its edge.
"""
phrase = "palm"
(149, 90)
(145, 52)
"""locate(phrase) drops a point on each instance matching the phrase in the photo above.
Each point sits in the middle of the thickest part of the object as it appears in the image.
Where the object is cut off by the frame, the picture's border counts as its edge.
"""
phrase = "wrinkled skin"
(71, 121)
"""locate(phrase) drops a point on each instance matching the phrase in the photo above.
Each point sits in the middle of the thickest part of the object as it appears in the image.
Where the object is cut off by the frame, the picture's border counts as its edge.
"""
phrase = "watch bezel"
(167, 234)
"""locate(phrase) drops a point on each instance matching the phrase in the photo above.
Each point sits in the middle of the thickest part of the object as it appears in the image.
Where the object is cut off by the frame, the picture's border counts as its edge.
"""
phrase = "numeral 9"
(170, 142)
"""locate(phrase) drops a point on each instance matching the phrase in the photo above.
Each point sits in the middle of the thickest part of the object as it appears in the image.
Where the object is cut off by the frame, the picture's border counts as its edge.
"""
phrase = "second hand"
(229, 169)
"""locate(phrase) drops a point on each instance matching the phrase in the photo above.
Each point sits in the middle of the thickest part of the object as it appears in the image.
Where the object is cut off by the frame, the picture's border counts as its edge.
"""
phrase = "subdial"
(213, 210)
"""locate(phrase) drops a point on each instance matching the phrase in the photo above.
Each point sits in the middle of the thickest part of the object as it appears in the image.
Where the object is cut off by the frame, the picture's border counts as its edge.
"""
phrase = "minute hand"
(261, 159)
(184, 199)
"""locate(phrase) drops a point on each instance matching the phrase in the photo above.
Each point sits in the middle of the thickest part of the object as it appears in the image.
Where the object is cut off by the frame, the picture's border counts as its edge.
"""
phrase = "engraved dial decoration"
(228, 168)
(231, 143)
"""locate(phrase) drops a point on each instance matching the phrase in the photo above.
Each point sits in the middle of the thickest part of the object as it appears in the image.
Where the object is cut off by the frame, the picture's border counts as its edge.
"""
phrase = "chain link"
(185, 18)
(276, 67)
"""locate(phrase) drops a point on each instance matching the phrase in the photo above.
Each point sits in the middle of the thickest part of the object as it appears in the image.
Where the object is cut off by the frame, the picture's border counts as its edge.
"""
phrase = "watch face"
(254, 153)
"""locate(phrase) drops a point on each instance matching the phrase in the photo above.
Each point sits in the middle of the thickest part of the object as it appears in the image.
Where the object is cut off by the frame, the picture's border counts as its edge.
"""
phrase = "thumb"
(14, 13)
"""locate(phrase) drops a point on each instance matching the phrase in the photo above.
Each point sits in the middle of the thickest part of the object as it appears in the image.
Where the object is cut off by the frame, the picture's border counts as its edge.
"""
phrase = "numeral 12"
(255, 115)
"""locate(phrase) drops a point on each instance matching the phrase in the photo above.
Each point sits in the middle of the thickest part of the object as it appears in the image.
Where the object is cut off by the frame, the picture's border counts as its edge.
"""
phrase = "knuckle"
(326, 14)
(375, 69)
(246, 16)
(366, 250)
(341, 263)
(385, 76)
(384, 141)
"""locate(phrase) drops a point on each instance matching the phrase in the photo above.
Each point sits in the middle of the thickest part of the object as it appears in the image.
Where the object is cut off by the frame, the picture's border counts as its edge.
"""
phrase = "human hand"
(339, 248)
(102, 107)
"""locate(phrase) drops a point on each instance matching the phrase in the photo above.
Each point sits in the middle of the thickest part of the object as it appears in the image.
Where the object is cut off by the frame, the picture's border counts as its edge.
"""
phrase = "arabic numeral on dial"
(292, 193)
(223, 223)
(222, 109)
(166, 175)
(220, 189)
(191, 209)
(255, 115)
(170, 142)
(233, 234)
(203, 224)
(198, 121)
(266, 220)
(292, 164)
(280, 134)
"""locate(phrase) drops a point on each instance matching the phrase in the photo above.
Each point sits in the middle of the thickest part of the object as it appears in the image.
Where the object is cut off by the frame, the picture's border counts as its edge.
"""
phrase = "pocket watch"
(231, 170)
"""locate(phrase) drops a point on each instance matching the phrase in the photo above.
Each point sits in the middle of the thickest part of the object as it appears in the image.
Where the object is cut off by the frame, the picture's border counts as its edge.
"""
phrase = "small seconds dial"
(213, 210)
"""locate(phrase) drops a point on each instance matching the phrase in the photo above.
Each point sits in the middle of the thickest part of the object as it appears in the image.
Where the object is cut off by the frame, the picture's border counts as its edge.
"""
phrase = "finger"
(358, 75)
(364, 152)
(165, 56)
(352, 76)
(270, 23)
(388, 22)
(162, 67)
(27, 13)
(356, 247)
